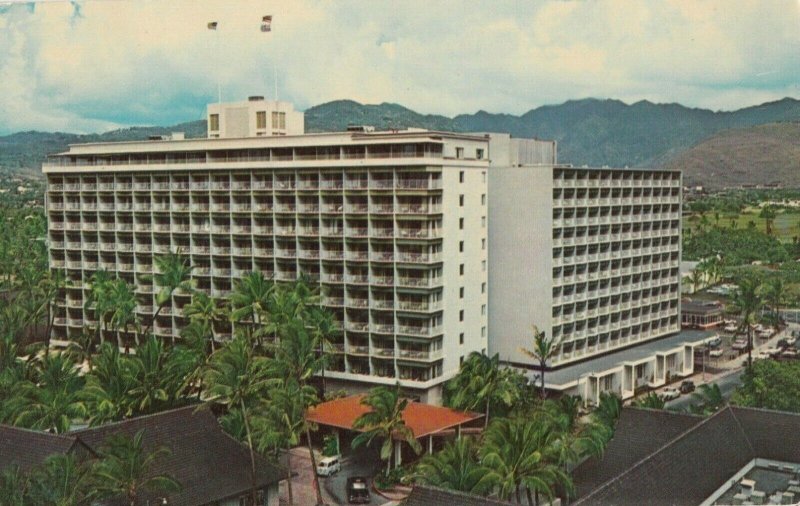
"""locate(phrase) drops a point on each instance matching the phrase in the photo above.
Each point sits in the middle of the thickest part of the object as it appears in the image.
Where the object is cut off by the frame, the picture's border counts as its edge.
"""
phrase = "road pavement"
(727, 384)
(360, 462)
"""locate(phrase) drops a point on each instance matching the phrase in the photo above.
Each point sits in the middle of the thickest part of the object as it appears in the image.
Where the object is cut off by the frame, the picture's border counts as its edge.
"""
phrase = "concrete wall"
(520, 252)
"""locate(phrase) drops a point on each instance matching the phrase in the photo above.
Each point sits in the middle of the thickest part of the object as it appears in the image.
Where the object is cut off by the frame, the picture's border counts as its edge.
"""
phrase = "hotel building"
(591, 256)
(426, 245)
(392, 225)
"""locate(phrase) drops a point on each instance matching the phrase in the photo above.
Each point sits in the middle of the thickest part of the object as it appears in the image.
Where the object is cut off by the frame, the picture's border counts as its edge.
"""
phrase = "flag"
(212, 25)
(266, 24)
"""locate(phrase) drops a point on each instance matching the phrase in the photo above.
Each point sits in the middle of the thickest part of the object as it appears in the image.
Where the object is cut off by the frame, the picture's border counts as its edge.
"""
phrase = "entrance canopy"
(422, 419)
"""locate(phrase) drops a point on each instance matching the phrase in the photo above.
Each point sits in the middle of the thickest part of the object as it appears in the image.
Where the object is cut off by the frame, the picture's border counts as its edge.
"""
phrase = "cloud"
(93, 65)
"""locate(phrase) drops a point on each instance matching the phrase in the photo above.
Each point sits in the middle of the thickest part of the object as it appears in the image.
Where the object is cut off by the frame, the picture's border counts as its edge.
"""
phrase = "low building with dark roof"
(688, 460)
(212, 467)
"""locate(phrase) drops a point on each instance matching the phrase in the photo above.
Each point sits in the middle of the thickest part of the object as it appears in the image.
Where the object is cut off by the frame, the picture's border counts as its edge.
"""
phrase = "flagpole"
(219, 79)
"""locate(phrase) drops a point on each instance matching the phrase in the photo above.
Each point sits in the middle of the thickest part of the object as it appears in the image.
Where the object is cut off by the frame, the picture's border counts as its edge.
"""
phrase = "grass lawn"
(786, 225)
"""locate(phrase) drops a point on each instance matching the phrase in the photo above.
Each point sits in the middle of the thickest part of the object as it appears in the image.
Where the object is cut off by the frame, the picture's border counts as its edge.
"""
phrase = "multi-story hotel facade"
(591, 256)
(426, 245)
(392, 225)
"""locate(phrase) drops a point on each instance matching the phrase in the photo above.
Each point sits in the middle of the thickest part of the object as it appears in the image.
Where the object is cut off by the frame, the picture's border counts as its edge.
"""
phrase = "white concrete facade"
(589, 255)
(393, 226)
(254, 117)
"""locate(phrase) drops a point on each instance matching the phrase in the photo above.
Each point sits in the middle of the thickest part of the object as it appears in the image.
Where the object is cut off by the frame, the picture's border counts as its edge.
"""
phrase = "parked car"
(716, 353)
(687, 387)
(740, 345)
(714, 342)
(357, 490)
(670, 393)
(328, 465)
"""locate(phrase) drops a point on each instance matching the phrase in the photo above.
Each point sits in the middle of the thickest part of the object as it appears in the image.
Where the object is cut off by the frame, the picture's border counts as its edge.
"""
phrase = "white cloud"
(149, 61)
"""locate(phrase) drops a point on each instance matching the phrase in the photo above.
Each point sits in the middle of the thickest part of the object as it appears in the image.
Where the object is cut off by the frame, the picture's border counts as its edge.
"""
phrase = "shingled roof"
(209, 464)
(691, 466)
(432, 496)
(28, 448)
(641, 432)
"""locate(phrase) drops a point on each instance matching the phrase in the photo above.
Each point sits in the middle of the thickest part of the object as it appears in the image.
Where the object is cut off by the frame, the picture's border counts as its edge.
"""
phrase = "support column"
(338, 442)
(458, 432)
(430, 444)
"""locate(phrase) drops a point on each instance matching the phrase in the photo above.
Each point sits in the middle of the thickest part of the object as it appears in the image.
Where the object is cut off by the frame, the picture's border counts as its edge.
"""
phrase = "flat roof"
(422, 419)
(701, 306)
(639, 351)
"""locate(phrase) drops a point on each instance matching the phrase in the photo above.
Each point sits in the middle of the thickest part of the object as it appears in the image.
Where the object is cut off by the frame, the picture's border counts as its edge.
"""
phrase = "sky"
(92, 66)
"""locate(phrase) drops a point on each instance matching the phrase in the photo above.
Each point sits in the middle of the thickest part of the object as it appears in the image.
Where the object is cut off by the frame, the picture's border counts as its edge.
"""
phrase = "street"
(727, 384)
(361, 462)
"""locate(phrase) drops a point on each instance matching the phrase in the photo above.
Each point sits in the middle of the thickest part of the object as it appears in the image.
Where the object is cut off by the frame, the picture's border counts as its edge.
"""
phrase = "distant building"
(702, 314)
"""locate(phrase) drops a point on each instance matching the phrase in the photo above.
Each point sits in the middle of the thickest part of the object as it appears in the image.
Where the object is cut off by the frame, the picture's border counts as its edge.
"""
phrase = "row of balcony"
(618, 237)
(599, 312)
(614, 183)
(279, 185)
(388, 353)
(614, 255)
(607, 292)
(613, 218)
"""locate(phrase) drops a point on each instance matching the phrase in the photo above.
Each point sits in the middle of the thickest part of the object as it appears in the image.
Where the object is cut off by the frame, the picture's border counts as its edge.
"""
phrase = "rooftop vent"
(255, 98)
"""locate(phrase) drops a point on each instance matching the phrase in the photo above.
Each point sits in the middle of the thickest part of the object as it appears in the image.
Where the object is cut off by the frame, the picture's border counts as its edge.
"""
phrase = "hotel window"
(461, 223)
(461, 269)
(479, 154)
(461, 315)
(483, 244)
(461, 338)
(483, 332)
(461, 201)
(461, 292)
(483, 221)
(279, 120)
(261, 120)
(213, 122)
(461, 176)
(483, 199)
(461, 246)
(459, 152)
(483, 309)
(483, 287)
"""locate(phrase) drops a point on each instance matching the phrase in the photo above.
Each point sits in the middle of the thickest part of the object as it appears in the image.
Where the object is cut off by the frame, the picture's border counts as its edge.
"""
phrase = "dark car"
(357, 490)
(687, 387)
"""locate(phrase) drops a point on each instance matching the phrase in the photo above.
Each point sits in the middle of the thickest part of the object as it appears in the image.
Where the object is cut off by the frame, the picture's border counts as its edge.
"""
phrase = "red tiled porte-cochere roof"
(422, 419)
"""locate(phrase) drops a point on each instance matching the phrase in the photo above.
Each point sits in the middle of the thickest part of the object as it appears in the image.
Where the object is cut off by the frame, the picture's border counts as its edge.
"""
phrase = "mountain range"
(589, 132)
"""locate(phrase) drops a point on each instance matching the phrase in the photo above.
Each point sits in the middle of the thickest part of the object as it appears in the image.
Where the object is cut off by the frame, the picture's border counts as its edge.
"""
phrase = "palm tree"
(384, 421)
(710, 399)
(746, 302)
(650, 401)
(108, 385)
(768, 214)
(283, 422)
(62, 480)
(99, 300)
(237, 378)
(206, 311)
(14, 486)
(123, 313)
(250, 298)
(543, 350)
(482, 384)
(53, 399)
(523, 455)
(158, 377)
(53, 289)
(456, 467)
(174, 274)
(126, 468)
(696, 277)
(608, 410)
(775, 294)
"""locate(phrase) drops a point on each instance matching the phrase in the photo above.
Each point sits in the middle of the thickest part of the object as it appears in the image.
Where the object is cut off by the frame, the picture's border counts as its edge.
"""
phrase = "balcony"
(422, 282)
(418, 258)
(312, 254)
(419, 306)
(418, 233)
(357, 232)
(383, 280)
(333, 301)
(358, 350)
(420, 354)
(353, 302)
(382, 256)
(414, 330)
(333, 254)
(358, 279)
(357, 326)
